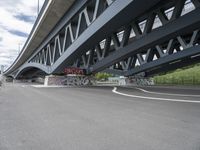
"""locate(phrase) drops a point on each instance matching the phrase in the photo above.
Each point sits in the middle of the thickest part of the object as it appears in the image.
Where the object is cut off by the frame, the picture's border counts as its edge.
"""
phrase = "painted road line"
(49, 86)
(159, 93)
(153, 98)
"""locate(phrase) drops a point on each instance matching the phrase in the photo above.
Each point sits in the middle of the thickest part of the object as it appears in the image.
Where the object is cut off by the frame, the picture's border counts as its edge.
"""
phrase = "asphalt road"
(95, 118)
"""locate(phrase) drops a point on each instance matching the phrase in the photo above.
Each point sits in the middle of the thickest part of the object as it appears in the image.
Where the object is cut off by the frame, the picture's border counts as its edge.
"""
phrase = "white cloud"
(13, 29)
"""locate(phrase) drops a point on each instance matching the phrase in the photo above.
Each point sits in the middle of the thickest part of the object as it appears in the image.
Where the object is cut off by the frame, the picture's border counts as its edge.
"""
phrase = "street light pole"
(38, 8)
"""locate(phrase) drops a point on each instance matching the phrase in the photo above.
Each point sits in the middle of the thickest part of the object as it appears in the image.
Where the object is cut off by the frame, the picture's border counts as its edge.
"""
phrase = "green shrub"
(101, 76)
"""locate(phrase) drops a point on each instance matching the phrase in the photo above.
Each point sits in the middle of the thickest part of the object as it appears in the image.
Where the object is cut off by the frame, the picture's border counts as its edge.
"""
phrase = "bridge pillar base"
(69, 80)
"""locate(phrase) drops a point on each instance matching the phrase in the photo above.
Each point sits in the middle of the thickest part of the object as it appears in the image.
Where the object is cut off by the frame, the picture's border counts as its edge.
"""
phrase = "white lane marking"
(182, 95)
(51, 86)
(153, 98)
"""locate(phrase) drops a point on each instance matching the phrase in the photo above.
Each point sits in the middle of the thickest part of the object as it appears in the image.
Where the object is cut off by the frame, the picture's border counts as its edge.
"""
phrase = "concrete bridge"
(122, 37)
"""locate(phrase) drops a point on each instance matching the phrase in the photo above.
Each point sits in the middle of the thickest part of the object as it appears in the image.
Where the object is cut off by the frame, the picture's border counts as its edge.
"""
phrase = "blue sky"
(17, 19)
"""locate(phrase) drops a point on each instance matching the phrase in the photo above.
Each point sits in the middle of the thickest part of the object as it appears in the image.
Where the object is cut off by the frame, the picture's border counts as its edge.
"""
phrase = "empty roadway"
(95, 118)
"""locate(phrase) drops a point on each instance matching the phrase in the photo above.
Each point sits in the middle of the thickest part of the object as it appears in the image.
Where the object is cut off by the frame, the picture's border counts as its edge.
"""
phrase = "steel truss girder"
(49, 54)
(175, 52)
(92, 34)
(56, 44)
(100, 29)
(162, 69)
(152, 38)
(165, 60)
(99, 46)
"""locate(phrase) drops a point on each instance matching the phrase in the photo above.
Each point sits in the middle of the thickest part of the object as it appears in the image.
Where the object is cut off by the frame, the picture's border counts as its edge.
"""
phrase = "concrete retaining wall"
(70, 80)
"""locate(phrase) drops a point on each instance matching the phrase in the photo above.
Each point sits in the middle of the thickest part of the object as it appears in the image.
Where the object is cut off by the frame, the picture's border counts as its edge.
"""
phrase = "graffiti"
(81, 80)
(140, 81)
(75, 80)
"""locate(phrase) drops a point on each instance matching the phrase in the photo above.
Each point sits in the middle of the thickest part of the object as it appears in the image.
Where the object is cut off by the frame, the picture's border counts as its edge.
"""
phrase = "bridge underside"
(30, 73)
(123, 37)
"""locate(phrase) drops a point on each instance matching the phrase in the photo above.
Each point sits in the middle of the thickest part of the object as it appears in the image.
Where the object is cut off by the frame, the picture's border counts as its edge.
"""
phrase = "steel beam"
(182, 25)
(165, 68)
(115, 16)
(167, 59)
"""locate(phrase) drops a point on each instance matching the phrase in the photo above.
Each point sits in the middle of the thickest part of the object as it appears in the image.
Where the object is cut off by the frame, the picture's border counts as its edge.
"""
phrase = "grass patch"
(186, 76)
